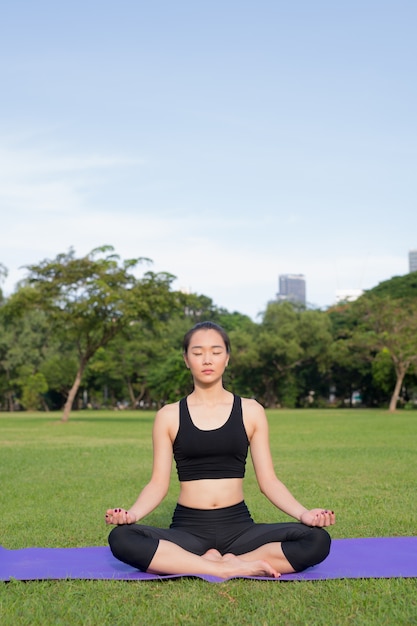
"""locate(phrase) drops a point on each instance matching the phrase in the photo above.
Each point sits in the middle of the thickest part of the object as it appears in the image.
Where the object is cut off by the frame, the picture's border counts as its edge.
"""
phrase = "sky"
(229, 141)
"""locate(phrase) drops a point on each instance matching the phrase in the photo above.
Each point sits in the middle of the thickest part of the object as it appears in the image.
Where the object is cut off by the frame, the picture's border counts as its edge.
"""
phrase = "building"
(348, 295)
(292, 287)
(412, 260)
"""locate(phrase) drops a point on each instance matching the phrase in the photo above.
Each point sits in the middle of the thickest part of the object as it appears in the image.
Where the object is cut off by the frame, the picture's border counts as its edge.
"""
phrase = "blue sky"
(228, 141)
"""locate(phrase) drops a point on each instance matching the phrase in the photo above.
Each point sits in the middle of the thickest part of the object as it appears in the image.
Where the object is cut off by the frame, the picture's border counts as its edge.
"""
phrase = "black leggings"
(230, 529)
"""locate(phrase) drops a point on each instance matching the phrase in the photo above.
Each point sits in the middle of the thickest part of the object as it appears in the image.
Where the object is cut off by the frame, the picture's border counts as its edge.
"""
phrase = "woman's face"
(207, 356)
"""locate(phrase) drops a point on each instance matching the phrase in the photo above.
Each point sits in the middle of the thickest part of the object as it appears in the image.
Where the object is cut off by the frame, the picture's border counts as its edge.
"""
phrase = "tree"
(396, 287)
(288, 339)
(373, 332)
(386, 321)
(392, 326)
(89, 300)
(351, 354)
(34, 386)
(24, 344)
(122, 367)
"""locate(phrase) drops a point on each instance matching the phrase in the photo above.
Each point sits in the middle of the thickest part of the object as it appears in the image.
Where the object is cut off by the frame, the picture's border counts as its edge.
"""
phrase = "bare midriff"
(211, 493)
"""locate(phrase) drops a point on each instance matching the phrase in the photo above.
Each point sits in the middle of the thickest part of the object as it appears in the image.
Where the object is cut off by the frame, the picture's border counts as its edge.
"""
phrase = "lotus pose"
(212, 532)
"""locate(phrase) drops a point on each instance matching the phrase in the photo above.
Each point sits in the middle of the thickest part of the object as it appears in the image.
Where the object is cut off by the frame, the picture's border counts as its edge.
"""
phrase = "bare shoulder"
(254, 416)
(251, 407)
(168, 410)
(167, 420)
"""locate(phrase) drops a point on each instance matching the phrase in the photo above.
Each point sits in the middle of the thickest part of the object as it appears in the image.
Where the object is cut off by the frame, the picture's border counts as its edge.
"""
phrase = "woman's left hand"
(119, 517)
(318, 517)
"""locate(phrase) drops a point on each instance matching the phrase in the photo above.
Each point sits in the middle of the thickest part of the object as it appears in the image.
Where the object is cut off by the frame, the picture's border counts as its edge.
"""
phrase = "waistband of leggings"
(229, 514)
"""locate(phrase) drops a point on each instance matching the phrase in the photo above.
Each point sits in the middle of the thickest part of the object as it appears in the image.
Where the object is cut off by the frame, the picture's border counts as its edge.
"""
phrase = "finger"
(320, 519)
(121, 516)
(112, 516)
(329, 518)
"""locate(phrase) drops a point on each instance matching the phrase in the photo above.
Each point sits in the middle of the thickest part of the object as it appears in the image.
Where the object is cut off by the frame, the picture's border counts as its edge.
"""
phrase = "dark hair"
(205, 326)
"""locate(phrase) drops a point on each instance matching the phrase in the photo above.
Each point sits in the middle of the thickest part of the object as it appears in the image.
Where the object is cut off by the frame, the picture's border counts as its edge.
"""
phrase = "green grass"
(57, 480)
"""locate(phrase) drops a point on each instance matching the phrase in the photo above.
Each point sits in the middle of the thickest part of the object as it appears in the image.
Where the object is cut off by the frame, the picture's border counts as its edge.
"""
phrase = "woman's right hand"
(119, 517)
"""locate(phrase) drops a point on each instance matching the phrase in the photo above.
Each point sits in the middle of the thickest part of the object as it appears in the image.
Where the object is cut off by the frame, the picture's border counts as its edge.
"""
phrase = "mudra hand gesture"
(318, 517)
(119, 517)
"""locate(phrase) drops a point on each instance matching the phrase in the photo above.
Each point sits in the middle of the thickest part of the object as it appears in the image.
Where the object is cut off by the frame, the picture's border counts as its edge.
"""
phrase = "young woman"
(209, 433)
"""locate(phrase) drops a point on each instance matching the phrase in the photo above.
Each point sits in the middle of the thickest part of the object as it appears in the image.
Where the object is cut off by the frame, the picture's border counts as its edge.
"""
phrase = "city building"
(292, 287)
(412, 260)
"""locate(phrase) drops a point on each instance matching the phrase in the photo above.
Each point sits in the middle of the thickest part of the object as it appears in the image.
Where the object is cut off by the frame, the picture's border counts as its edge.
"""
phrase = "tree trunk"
(10, 400)
(140, 395)
(134, 400)
(72, 393)
(400, 371)
(131, 393)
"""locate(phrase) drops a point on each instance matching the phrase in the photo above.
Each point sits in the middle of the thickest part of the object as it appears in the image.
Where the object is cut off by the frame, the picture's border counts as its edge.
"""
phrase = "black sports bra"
(217, 453)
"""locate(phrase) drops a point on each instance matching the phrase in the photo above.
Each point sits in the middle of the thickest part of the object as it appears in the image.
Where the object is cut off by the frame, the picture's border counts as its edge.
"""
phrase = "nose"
(207, 358)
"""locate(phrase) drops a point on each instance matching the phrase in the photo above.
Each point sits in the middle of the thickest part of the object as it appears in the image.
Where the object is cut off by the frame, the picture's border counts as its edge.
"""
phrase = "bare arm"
(267, 479)
(157, 488)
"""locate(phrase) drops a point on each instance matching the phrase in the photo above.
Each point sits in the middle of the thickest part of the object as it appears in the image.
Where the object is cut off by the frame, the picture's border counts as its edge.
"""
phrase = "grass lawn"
(57, 480)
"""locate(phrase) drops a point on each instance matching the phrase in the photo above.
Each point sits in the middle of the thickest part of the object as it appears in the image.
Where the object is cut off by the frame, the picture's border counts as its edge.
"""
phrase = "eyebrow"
(201, 347)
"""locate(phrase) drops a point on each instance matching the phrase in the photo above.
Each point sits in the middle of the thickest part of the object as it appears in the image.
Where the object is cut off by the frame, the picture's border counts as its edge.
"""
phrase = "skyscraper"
(292, 287)
(412, 260)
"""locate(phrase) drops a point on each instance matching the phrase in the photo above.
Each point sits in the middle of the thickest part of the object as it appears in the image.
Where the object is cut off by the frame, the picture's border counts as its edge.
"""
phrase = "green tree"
(89, 300)
(396, 287)
(288, 340)
(351, 354)
(24, 344)
(34, 386)
(121, 367)
(391, 326)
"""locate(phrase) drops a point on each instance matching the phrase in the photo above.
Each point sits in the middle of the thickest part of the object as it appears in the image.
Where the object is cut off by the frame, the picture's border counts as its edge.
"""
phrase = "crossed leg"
(271, 553)
(257, 551)
(170, 558)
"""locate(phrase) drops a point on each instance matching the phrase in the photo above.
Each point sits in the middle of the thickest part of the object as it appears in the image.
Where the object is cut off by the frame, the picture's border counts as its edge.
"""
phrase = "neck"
(210, 393)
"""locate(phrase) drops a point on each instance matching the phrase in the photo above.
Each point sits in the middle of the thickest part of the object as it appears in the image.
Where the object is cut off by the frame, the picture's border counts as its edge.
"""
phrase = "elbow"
(267, 484)
(162, 489)
(263, 488)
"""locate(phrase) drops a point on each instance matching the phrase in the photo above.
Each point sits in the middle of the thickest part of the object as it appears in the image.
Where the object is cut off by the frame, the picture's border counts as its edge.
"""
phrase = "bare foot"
(228, 556)
(212, 555)
(233, 566)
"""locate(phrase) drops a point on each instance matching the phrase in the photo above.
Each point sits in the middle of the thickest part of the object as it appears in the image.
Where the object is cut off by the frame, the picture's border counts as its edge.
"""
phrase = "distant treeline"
(87, 333)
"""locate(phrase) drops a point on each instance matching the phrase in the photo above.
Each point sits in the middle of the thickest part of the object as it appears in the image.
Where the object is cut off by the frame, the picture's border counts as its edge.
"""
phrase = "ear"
(184, 356)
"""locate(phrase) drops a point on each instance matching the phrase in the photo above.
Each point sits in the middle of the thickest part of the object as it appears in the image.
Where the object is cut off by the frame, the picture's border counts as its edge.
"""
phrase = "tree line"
(81, 333)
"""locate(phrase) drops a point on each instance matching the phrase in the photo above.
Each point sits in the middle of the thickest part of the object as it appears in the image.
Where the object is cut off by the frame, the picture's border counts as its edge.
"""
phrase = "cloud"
(46, 180)
(234, 258)
(235, 272)
(22, 163)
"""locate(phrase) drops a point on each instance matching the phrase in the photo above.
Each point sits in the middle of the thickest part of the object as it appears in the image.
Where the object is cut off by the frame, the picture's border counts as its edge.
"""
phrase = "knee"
(119, 541)
(321, 542)
(311, 548)
(128, 543)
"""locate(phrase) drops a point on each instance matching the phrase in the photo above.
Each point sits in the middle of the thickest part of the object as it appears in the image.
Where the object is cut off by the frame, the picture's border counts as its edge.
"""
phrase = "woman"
(212, 532)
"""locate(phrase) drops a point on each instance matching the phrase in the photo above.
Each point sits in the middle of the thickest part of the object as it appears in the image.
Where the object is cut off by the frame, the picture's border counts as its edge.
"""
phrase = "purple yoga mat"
(382, 557)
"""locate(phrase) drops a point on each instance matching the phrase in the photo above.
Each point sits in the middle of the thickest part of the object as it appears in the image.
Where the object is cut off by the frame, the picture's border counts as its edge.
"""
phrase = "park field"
(58, 479)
